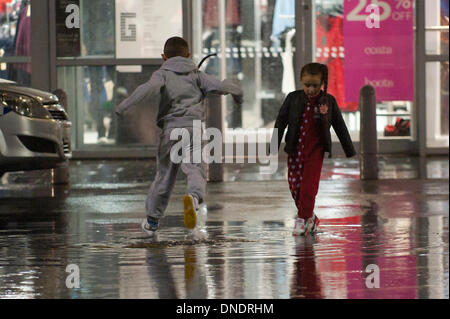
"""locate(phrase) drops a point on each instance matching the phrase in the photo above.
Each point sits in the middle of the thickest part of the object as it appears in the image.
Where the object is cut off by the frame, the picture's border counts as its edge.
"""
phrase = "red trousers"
(304, 183)
(305, 166)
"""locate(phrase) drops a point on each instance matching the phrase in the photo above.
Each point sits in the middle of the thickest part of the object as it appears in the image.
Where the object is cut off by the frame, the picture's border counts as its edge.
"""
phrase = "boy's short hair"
(176, 46)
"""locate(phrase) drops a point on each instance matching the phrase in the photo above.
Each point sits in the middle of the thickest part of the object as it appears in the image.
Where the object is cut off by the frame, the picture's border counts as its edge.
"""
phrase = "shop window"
(260, 46)
(393, 117)
(117, 28)
(436, 27)
(260, 56)
(17, 72)
(15, 19)
(437, 74)
(93, 92)
(437, 104)
(96, 35)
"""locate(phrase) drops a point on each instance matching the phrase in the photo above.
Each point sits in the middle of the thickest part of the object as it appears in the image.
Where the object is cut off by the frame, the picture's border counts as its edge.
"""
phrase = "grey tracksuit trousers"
(161, 189)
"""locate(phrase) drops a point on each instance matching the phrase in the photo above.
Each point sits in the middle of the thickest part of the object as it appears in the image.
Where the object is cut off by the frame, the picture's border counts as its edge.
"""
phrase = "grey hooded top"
(179, 88)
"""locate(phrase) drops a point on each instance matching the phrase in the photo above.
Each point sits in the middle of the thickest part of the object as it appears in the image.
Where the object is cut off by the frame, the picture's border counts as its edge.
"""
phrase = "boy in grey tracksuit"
(180, 89)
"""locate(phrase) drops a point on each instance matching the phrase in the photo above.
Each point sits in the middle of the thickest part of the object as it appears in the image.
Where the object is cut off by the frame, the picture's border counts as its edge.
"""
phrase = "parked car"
(34, 129)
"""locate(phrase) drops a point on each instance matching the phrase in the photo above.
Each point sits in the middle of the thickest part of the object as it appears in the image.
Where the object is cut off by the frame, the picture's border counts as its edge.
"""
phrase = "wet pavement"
(397, 225)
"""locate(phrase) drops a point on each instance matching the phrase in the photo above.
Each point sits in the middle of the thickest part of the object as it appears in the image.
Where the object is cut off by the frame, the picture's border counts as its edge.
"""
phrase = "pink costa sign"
(379, 49)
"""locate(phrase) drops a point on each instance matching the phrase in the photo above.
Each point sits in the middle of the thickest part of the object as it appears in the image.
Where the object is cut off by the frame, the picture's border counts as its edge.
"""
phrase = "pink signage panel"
(379, 51)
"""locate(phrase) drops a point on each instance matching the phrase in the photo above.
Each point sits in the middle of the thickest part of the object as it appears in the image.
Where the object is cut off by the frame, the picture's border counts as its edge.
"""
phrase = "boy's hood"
(179, 65)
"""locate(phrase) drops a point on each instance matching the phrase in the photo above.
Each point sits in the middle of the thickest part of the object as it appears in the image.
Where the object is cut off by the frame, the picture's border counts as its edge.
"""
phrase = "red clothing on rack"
(211, 13)
(330, 40)
(3, 5)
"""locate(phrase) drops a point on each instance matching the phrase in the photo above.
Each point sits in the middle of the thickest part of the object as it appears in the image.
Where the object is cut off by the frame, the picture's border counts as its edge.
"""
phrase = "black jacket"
(291, 114)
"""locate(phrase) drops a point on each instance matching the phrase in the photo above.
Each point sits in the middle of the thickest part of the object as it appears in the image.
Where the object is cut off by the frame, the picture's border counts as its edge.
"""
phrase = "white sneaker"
(299, 228)
(202, 215)
(190, 211)
(149, 229)
(312, 225)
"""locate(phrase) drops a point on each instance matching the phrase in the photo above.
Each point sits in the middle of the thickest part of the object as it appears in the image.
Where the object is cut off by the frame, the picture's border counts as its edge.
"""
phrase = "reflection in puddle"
(189, 242)
(246, 249)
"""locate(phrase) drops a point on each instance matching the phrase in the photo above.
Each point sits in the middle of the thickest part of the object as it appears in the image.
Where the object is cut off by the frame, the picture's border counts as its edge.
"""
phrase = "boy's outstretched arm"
(150, 89)
(210, 84)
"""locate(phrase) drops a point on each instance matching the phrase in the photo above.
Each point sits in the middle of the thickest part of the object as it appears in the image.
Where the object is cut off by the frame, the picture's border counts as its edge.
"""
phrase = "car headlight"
(24, 105)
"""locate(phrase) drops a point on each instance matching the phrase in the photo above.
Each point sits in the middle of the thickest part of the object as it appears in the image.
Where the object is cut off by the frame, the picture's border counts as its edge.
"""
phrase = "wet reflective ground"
(398, 223)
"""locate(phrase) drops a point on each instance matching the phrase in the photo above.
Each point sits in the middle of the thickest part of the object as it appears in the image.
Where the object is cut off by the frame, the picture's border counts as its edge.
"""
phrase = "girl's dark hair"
(176, 46)
(314, 69)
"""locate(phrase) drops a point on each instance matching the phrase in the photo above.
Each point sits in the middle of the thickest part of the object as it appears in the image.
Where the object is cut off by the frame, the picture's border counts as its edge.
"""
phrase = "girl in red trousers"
(309, 114)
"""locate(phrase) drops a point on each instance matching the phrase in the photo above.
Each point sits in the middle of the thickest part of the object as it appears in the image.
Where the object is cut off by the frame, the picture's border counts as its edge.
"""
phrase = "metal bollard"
(61, 173)
(368, 134)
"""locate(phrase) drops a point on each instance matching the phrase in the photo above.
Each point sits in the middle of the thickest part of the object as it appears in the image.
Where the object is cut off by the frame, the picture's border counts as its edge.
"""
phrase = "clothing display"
(21, 72)
(12, 7)
(329, 44)
(234, 61)
(3, 4)
(283, 24)
(283, 18)
(233, 42)
(402, 127)
(23, 34)
(271, 64)
(211, 13)
(234, 68)
(9, 24)
(287, 58)
(330, 51)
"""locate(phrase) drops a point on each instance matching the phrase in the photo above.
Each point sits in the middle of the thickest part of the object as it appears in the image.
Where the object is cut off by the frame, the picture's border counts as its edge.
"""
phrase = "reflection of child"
(179, 88)
(309, 114)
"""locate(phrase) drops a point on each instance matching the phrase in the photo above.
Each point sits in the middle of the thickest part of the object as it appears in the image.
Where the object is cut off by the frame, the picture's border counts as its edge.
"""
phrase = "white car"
(34, 129)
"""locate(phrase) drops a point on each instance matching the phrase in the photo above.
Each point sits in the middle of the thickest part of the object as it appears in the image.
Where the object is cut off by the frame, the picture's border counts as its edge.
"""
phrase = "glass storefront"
(15, 41)
(18, 72)
(393, 117)
(260, 56)
(95, 87)
(97, 28)
(95, 37)
(258, 47)
(437, 72)
(93, 92)
(437, 104)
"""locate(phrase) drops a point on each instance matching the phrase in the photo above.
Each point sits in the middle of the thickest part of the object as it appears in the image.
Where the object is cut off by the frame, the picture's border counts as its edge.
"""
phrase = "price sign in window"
(379, 48)
(141, 30)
